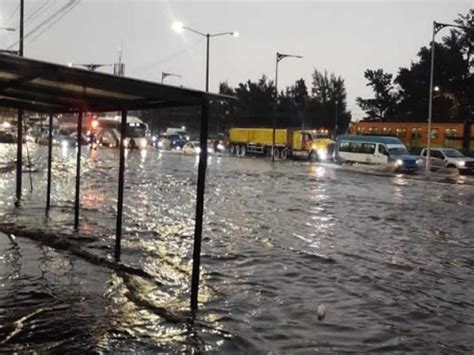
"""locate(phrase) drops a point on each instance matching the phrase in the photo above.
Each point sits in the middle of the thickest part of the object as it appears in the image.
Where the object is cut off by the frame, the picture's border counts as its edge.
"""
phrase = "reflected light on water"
(318, 171)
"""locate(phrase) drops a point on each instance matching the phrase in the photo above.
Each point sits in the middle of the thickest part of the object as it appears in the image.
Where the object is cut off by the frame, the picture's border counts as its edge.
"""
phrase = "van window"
(368, 148)
(383, 150)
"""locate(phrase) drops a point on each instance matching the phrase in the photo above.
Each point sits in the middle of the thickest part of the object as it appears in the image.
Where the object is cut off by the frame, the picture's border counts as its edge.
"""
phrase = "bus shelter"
(27, 84)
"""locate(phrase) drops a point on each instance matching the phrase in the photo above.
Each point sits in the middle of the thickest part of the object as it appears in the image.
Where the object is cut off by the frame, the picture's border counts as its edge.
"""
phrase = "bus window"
(344, 147)
(401, 132)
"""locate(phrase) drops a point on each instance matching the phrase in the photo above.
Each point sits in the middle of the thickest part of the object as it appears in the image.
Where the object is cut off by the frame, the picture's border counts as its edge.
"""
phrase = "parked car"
(193, 148)
(449, 158)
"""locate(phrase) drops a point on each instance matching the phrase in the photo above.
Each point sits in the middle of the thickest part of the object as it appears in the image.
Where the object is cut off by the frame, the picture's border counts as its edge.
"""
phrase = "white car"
(193, 148)
(449, 158)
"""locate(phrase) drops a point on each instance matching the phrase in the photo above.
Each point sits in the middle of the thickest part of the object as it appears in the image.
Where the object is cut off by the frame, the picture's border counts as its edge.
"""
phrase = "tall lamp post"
(436, 28)
(165, 75)
(279, 57)
(179, 27)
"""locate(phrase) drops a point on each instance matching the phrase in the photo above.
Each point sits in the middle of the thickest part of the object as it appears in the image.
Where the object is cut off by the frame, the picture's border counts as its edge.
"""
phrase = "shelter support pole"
(78, 171)
(50, 157)
(118, 230)
(19, 156)
(199, 207)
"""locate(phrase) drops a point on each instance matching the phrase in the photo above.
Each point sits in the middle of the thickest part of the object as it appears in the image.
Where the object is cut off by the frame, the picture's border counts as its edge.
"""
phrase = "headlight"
(419, 161)
(178, 148)
(187, 138)
(153, 139)
(322, 154)
(197, 150)
(125, 143)
(143, 144)
(220, 146)
(64, 144)
(462, 163)
(399, 162)
(160, 144)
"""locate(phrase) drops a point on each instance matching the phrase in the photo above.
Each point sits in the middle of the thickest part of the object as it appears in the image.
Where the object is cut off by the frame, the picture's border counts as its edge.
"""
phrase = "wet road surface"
(390, 258)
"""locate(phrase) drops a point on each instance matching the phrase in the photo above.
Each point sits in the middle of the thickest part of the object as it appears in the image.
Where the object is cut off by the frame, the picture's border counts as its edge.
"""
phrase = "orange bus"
(414, 134)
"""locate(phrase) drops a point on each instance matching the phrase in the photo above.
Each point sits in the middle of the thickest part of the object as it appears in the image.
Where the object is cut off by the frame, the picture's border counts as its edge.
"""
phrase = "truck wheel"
(284, 153)
(232, 149)
(313, 155)
(243, 150)
(276, 153)
(237, 149)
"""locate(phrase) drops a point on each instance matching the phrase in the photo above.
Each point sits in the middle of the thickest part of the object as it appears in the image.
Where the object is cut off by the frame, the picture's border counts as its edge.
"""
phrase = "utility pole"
(19, 151)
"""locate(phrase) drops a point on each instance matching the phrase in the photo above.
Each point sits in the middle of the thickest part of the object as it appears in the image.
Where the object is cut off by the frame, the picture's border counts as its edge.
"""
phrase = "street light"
(279, 56)
(165, 75)
(180, 27)
(436, 28)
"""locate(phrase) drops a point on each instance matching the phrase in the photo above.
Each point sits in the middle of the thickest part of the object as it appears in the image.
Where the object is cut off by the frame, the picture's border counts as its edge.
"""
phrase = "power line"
(37, 11)
(58, 19)
(53, 17)
(15, 12)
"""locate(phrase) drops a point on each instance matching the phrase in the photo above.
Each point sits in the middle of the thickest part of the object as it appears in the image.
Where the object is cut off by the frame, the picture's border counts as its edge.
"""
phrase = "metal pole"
(19, 152)
(199, 208)
(50, 155)
(275, 109)
(78, 171)
(19, 155)
(335, 121)
(22, 22)
(118, 230)
(208, 36)
(430, 103)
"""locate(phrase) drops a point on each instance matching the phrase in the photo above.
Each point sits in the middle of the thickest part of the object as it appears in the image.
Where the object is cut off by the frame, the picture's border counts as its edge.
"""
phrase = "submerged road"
(389, 258)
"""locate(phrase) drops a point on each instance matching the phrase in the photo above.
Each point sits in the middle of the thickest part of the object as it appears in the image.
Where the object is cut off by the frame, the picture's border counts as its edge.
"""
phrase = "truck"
(306, 144)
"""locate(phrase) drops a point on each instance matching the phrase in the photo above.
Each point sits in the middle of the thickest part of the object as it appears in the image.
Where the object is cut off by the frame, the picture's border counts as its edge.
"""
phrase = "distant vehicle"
(379, 150)
(288, 143)
(181, 131)
(106, 131)
(7, 137)
(449, 158)
(194, 148)
(172, 141)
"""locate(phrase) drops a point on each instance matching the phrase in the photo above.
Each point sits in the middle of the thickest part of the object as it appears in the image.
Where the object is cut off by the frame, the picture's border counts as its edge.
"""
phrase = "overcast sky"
(344, 37)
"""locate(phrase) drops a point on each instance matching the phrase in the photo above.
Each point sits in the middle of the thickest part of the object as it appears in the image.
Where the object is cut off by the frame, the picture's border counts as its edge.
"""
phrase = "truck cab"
(312, 145)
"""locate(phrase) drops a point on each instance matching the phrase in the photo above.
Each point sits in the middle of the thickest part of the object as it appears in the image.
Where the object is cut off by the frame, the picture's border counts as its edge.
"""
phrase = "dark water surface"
(391, 259)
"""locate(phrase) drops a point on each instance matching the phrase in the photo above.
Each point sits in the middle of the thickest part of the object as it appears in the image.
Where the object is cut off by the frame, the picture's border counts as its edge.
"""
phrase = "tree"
(292, 104)
(256, 100)
(384, 104)
(329, 102)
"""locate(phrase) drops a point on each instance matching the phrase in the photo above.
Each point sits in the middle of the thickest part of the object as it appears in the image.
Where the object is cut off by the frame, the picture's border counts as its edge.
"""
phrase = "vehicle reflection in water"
(383, 254)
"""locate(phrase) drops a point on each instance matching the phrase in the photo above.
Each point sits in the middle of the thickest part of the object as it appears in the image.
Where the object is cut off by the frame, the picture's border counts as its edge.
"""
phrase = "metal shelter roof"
(52, 88)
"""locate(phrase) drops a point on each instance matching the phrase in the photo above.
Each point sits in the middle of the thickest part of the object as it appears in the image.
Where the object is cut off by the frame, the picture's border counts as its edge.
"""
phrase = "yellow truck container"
(296, 143)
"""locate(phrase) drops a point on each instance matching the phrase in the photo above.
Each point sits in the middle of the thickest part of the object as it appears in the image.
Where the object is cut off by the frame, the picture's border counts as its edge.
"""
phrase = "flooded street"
(390, 258)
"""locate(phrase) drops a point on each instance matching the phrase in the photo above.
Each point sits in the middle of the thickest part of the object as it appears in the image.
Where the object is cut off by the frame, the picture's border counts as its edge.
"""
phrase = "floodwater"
(389, 258)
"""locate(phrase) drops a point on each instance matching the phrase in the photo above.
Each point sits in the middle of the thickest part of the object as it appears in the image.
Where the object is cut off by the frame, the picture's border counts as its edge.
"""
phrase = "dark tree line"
(405, 96)
(297, 106)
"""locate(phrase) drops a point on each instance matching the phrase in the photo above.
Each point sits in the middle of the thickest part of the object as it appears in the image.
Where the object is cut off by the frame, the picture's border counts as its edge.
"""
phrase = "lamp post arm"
(195, 31)
(221, 34)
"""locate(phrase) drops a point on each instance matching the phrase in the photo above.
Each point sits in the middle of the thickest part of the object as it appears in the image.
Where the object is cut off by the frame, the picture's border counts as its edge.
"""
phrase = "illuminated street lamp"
(279, 56)
(436, 28)
(180, 27)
